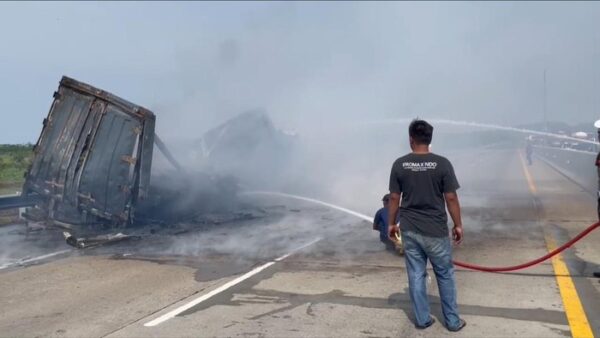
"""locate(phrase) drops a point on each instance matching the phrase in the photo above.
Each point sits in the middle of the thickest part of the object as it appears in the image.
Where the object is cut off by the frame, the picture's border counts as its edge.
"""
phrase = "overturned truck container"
(93, 159)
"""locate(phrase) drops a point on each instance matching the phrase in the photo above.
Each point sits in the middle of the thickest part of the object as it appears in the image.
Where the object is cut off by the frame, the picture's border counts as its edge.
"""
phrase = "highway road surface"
(304, 270)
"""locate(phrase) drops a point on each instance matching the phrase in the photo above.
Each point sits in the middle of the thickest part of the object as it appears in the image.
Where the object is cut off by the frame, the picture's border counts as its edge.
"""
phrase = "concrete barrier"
(577, 165)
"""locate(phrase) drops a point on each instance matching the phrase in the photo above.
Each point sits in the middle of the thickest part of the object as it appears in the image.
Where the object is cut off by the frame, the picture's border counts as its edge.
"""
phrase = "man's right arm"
(454, 210)
(394, 203)
(393, 207)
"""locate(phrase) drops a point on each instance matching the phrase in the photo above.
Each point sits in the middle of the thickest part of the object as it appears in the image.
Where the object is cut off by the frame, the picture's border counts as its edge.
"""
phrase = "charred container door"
(92, 159)
(105, 184)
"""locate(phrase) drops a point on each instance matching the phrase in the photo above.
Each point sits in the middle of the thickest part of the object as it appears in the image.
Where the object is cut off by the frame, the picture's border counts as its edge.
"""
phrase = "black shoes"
(460, 326)
(597, 274)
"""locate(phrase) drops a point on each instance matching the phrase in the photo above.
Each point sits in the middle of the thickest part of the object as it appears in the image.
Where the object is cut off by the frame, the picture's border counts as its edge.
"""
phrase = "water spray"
(488, 126)
(458, 263)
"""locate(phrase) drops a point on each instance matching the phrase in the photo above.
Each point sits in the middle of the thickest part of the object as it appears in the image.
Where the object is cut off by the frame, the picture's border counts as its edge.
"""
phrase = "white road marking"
(34, 259)
(224, 287)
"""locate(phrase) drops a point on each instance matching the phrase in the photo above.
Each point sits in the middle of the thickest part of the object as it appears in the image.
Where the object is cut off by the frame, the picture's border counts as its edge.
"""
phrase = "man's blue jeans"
(417, 249)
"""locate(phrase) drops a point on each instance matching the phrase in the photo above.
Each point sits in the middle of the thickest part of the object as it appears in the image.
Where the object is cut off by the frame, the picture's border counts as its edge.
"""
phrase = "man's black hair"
(420, 131)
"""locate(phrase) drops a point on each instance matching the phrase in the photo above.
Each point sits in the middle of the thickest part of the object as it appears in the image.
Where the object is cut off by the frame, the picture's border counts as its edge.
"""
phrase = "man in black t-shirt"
(426, 183)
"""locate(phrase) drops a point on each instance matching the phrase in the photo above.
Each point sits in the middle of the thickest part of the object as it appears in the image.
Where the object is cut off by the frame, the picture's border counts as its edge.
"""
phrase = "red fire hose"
(533, 262)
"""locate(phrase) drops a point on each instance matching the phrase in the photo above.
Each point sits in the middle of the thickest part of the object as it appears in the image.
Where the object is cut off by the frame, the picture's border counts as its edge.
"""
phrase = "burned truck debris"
(92, 160)
(247, 146)
(91, 169)
(90, 242)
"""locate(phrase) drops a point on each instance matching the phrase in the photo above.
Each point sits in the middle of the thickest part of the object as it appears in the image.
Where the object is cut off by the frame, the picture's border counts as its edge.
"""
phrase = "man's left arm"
(450, 185)
(454, 210)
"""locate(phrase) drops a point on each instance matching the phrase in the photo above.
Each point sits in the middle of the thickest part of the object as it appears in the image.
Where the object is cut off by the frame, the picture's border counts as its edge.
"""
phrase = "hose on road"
(539, 260)
(533, 262)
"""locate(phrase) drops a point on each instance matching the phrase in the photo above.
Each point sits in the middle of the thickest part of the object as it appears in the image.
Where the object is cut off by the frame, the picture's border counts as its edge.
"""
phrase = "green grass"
(14, 161)
(10, 189)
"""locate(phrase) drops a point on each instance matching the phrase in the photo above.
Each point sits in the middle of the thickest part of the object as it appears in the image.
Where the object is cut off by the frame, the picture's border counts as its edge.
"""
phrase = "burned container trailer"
(92, 161)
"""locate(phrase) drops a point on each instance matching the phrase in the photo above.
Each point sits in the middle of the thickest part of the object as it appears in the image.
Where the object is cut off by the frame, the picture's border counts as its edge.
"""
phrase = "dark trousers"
(599, 205)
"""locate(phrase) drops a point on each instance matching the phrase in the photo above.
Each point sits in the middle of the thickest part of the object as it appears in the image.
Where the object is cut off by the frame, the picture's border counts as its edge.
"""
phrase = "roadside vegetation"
(14, 161)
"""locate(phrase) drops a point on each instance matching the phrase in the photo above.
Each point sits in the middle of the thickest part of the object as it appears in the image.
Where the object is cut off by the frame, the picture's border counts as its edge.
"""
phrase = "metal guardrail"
(577, 165)
(18, 201)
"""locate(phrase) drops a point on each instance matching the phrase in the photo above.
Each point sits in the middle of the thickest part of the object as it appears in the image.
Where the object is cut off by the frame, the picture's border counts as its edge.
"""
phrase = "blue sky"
(196, 64)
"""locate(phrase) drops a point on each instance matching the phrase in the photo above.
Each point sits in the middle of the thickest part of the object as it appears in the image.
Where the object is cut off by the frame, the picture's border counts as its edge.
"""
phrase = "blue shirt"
(381, 220)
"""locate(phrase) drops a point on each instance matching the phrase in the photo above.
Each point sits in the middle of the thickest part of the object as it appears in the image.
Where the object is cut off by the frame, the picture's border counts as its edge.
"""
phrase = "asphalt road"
(265, 283)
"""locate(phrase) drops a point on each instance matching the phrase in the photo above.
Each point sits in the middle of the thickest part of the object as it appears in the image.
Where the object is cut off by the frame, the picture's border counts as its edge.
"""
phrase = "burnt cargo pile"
(247, 146)
(245, 152)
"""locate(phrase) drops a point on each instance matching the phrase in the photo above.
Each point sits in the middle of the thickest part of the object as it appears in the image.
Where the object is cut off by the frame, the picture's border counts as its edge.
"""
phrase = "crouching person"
(380, 223)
